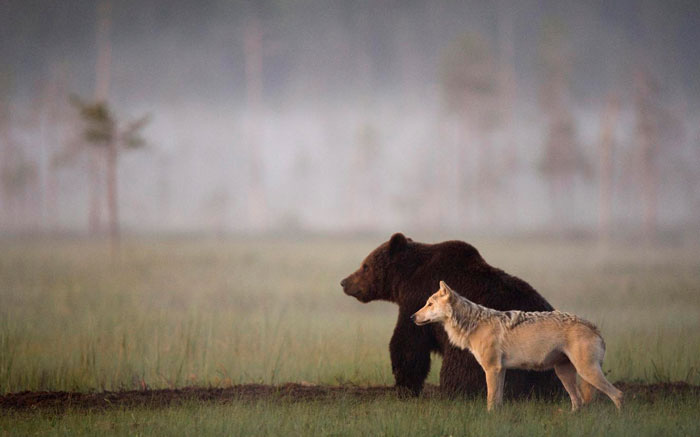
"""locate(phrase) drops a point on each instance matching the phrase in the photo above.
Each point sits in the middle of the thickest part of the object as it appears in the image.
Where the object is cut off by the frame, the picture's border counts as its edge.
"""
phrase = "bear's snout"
(347, 287)
(353, 289)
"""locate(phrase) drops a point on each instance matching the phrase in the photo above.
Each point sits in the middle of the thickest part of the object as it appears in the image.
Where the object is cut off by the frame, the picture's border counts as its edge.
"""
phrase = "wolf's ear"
(397, 243)
(444, 288)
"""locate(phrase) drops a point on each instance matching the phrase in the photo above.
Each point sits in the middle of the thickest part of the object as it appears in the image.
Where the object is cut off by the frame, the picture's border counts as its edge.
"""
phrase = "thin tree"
(5, 148)
(648, 112)
(51, 124)
(101, 94)
(562, 161)
(253, 52)
(470, 89)
(17, 178)
(365, 184)
(505, 15)
(103, 132)
(606, 151)
(506, 12)
(17, 175)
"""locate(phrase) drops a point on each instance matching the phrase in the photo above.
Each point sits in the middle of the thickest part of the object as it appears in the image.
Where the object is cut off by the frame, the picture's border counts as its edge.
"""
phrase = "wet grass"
(180, 312)
(388, 417)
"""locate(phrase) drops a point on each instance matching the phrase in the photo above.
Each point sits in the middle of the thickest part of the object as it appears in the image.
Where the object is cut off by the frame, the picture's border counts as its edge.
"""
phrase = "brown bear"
(407, 273)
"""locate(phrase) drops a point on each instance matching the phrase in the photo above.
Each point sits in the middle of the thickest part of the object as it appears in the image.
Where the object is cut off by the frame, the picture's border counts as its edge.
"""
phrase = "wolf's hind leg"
(587, 391)
(593, 374)
(567, 374)
(587, 356)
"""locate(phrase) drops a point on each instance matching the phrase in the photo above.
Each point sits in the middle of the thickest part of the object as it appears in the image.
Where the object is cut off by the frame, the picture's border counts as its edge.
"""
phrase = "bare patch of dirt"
(651, 392)
(165, 397)
(60, 401)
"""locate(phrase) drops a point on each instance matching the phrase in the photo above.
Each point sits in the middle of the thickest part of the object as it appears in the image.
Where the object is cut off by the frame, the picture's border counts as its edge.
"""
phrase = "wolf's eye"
(430, 304)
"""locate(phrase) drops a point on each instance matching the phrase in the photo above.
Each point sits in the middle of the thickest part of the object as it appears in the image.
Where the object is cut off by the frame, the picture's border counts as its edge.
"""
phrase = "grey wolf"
(542, 340)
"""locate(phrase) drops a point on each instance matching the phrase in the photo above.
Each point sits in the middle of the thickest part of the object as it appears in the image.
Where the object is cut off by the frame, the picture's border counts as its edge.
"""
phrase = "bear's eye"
(365, 268)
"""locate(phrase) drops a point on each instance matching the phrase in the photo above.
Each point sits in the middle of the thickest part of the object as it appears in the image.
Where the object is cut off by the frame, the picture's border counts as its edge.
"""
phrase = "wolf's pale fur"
(501, 340)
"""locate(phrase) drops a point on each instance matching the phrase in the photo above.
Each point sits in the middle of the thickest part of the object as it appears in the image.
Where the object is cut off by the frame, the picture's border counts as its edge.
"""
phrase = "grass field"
(184, 312)
(386, 417)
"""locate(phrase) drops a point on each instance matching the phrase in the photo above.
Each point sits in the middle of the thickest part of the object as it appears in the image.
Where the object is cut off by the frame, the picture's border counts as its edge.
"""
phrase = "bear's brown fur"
(407, 273)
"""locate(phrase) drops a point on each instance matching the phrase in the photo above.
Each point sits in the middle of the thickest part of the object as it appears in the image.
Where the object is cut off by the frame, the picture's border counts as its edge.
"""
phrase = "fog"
(352, 116)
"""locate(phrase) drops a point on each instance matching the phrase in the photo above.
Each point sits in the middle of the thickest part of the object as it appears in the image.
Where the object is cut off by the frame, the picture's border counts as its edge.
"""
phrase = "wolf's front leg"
(410, 348)
(495, 378)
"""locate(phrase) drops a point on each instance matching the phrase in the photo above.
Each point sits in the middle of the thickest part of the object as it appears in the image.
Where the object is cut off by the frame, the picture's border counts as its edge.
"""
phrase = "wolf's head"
(437, 309)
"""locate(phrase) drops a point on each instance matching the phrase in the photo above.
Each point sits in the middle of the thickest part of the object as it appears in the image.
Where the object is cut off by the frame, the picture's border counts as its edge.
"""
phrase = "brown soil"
(59, 401)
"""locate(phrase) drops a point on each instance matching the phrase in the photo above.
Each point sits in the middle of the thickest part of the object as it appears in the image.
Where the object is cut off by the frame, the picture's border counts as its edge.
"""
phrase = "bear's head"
(373, 280)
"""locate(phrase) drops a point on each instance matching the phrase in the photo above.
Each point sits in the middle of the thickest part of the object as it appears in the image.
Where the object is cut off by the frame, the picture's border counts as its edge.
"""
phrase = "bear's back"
(462, 267)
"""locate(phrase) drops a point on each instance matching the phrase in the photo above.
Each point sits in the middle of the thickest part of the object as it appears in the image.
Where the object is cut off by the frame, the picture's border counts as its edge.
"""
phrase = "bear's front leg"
(410, 355)
(461, 374)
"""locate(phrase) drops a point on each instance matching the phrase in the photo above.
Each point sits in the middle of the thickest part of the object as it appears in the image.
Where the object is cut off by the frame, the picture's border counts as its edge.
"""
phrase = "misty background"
(350, 116)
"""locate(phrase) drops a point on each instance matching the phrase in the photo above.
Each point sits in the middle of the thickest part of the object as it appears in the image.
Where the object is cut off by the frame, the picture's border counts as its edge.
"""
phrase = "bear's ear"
(397, 243)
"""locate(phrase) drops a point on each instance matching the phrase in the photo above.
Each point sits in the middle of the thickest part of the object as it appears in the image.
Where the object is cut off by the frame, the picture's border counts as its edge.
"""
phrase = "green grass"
(388, 417)
(181, 312)
(173, 314)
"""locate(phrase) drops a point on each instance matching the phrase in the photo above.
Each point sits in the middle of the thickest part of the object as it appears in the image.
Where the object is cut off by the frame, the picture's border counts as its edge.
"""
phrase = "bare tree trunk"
(104, 51)
(253, 45)
(5, 140)
(50, 138)
(605, 150)
(506, 78)
(693, 181)
(112, 199)
(561, 161)
(486, 181)
(95, 185)
(102, 81)
(407, 60)
(49, 127)
(649, 188)
(163, 184)
(465, 176)
(507, 95)
(647, 138)
(40, 124)
(52, 199)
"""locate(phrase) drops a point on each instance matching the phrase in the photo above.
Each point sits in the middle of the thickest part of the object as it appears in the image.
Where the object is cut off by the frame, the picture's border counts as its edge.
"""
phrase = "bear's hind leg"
(525, 383)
